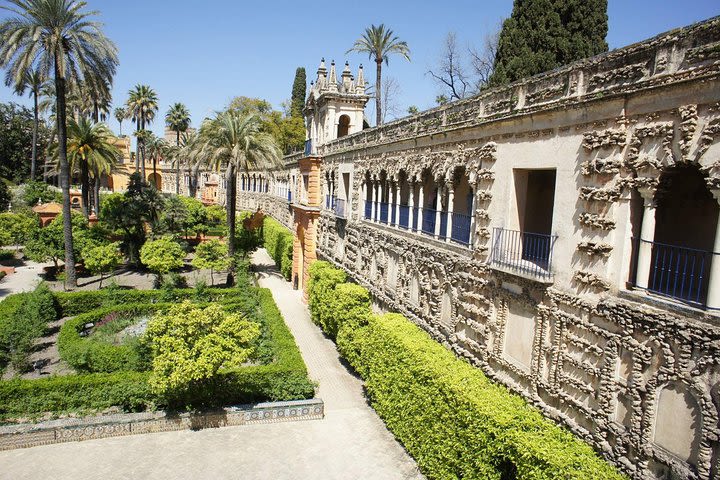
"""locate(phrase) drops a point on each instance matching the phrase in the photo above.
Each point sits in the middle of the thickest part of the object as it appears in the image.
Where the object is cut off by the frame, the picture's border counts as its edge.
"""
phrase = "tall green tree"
(541, 35)
(235, 141)
(33, 81)
(91, 149)
(299, 91)
(57, 36)
(177, 119)
(121, 114)
(16, 139)
(142, 106)
(379, 42)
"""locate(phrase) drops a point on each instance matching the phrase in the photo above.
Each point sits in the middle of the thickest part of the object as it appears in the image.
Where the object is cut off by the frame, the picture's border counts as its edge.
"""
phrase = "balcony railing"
(680, 273)
(428, 223)
(383, 212)
(416, 213)
(461, 228)
(523, 252)
(404, 216)
(368, 210)
(339, 208)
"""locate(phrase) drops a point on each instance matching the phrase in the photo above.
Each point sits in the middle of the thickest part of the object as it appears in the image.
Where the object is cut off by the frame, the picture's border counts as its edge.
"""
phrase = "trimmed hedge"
(278, 241)
(284, 378)
(87, 355)
(23, 318)
(451, 418)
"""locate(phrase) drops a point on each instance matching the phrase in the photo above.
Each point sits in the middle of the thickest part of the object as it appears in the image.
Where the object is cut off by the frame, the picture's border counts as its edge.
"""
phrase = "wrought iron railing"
(428, 223)
(523, 252)
(403, 221)
(368, 209)
(339, 207)
(461, 228)
(680, 273)
(383, 212)
(443, 225)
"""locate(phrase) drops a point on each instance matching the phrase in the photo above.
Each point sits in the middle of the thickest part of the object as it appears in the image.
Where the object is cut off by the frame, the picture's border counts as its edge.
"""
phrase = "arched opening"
(343, 126)
(686, 219)
(156, 180)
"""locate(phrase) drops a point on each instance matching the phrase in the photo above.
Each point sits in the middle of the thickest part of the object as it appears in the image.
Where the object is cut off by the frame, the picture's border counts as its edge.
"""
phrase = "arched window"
(343, 126)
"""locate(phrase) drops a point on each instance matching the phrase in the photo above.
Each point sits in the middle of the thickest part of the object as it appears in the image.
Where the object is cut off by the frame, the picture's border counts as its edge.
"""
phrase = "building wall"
(637, 375)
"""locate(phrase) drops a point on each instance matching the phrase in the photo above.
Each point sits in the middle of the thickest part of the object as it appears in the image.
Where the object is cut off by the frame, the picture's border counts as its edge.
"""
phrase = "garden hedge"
(283, 378)
(278, 241)
(451, 418)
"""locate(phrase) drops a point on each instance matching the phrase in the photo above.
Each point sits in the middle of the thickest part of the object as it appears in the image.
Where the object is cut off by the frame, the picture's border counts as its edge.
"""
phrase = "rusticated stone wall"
(635, 375)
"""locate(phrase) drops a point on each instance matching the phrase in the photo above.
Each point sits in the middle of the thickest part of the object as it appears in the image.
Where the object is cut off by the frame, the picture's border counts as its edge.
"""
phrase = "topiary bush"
(321, 288)
(450, 417)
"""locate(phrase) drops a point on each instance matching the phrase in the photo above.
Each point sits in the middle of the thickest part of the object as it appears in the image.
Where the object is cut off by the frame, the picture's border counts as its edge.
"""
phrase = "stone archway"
(156, 180)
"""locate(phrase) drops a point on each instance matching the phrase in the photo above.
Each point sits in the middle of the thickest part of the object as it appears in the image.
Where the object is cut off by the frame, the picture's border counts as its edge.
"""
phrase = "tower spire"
(332, 81)
(360, 85)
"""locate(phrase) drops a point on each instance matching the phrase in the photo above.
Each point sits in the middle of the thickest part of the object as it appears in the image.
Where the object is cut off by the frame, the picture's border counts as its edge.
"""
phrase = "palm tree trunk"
(142, 149)
(33, 161)
(378, 90)
(60, 114)
(137, 148)
(85, 188)
(97, 194)
(230, 207)
(193, 180)
(177, 164)
(120, 122)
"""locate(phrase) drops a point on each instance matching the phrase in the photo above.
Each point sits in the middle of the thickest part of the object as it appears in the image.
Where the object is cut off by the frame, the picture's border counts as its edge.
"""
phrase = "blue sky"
(204, 53)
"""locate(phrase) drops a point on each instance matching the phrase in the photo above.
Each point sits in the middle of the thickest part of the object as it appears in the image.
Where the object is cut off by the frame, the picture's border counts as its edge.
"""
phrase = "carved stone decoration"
(621, 75)
(707, 137)
(608, 195)
(593, 220)
(688, 125)
(601, 166)
(595, 249)
(604, 139)
(663, 131)
(591, 279)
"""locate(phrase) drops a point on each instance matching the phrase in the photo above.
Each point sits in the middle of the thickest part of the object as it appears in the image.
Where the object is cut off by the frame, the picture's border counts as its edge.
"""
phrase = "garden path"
(25, 278)
(351, 442)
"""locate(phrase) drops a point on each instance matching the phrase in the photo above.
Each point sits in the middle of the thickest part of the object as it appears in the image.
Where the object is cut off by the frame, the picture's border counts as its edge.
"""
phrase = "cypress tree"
(541, 35)
(297, 101)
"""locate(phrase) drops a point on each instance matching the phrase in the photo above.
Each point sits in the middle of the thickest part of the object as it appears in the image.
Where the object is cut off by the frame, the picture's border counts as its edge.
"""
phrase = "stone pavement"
(350, 443)
(25, 278)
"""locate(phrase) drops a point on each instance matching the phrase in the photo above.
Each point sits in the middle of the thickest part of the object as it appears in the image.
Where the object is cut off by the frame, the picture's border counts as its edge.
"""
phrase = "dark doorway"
(343, 126)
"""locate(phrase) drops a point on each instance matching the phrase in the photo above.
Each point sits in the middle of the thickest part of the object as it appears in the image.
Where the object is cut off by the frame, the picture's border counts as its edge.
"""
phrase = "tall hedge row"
(278, 241)
(452, 419)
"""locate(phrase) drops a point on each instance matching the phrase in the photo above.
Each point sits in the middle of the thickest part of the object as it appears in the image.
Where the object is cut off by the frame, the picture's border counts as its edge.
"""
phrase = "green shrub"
(6, 255)
(92, 355)
(129, 391)
(278, 241)
(23, 318)
(451, 418)
(321, 288)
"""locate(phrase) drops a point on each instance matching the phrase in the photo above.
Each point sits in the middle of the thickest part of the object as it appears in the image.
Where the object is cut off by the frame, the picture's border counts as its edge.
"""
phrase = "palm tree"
(157, 149)
(142, 105)
(120, 115)
(57, 36)
(33, 81)
(379, 42)
(177, 119)
(91, 146)
(236, 141)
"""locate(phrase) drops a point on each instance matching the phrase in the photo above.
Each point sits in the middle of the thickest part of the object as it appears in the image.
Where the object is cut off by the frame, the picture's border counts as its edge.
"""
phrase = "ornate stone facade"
(567, 316)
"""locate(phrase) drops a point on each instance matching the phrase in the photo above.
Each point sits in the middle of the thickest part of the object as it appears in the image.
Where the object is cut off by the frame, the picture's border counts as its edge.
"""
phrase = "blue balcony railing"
(339, 208)
(383, 212)
(460, 228)
(428, 223)
(368, 209)
(289, 195)
(523, 252)
(443, 225)
(404, 216)
(680, 273)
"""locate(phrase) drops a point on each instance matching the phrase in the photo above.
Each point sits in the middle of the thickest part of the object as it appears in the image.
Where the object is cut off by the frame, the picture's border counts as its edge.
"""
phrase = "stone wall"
(634, 374)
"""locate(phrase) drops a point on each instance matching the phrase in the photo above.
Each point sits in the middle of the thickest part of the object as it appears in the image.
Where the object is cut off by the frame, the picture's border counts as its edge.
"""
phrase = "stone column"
(373, 200)
(411, 204)
(421, 209)
(363, 199)
(397, 204)
(438, 209)
(647, 234)
(713, 297)
(450, 210)
(473, 199)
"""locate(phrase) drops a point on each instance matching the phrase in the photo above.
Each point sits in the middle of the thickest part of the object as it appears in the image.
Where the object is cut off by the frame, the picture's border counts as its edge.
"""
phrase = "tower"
(334, 109)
